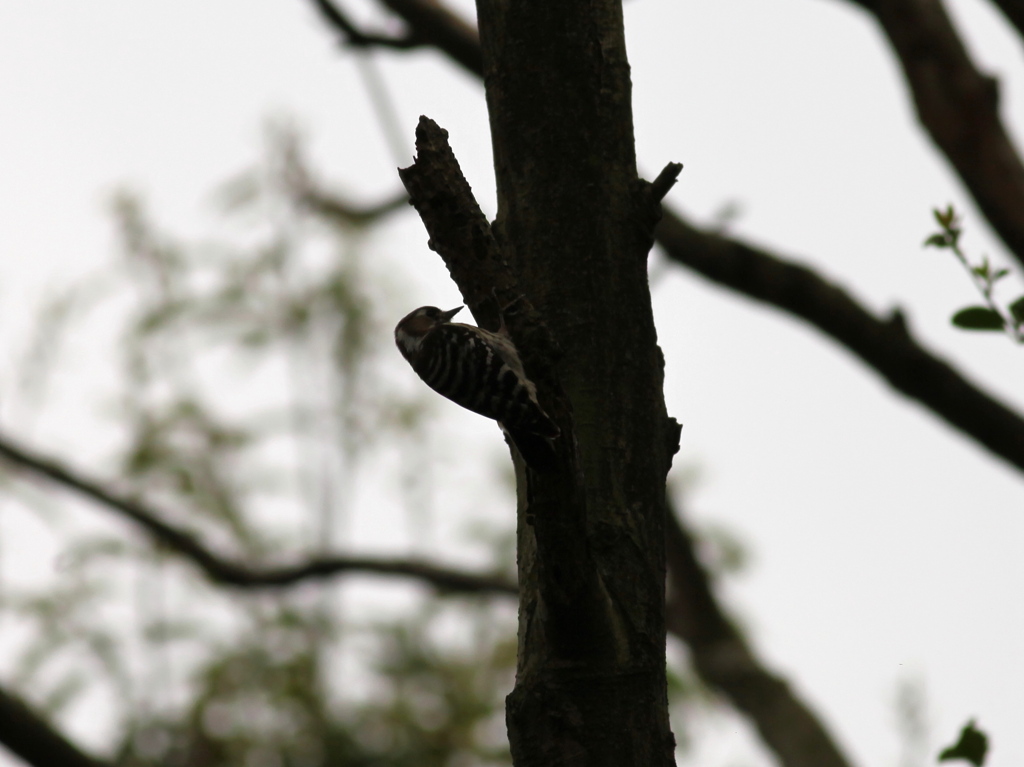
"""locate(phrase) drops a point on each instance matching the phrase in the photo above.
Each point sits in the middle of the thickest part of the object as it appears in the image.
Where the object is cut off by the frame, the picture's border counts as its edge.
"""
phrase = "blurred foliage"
(263, 702)
(912, 721)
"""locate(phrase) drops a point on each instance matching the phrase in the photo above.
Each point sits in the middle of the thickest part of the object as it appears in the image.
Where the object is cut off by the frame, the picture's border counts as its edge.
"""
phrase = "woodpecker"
(481, 371)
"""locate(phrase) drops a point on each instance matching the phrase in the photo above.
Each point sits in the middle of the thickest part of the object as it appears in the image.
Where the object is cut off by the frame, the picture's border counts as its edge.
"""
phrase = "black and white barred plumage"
(479, 370)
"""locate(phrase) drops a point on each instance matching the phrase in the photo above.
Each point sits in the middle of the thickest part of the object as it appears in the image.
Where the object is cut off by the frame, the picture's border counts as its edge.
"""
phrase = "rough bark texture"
(575, 224)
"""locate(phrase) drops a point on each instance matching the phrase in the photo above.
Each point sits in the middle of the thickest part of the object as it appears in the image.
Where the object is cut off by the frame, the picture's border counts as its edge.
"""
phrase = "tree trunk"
(575, 224)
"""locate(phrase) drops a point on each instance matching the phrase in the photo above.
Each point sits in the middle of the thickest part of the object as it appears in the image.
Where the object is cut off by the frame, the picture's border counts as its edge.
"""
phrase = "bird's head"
(416, 324)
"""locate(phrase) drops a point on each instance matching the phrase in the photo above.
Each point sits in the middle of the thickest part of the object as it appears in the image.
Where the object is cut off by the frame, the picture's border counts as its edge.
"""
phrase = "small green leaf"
(944, 217)
(978, 318)
(972, 746)
(1000, 273)
(1017, 309)
(937, 240)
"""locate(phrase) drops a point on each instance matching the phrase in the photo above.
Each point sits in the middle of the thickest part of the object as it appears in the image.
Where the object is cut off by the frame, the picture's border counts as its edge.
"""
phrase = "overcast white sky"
(885, 546)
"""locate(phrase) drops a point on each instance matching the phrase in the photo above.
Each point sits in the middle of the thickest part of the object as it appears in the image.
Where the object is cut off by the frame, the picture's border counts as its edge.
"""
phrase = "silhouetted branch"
(436, 25)
(431, 24)
(726, 663)
(300, 186)
(959, 107)
(230, 573)
(459, 232)
(665, 180)
(885, 345)
(355, 37)
(1014, 12)
(30, 737)
(333, 206)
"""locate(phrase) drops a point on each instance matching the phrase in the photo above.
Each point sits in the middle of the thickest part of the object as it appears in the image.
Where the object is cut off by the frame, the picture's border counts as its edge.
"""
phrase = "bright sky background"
(885, 546)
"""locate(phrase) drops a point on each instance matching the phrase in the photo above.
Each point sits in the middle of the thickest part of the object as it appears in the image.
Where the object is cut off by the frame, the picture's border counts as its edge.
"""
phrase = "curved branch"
(355, 37)
(335, 207)
(1013, 10)
(300, 185)
(959, 107)
(222, 570)
(27, 735)
(885, 345)
(432, 24)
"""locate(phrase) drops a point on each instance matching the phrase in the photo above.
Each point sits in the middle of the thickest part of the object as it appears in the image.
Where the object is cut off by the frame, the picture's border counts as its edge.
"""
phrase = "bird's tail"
(537, 451)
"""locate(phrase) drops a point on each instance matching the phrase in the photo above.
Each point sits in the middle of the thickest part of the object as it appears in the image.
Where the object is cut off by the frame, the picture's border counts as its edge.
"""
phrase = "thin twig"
(357, 38)
(665, 180)
(333, 206)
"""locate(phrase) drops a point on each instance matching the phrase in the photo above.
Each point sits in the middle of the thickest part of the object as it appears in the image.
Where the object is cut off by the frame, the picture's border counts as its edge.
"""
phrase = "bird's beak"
(446, 316)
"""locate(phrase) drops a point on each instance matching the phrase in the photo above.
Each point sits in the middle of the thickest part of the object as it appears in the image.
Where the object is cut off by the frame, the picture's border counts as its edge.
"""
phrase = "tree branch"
(458, 230)
(353, 36)
(959, 107)
(431, 23)
(222, 570)
(726, 663)
(349, 214)
(300, 185)
(1014, 12)
(885, 345)
(30, 737)
(665, 180)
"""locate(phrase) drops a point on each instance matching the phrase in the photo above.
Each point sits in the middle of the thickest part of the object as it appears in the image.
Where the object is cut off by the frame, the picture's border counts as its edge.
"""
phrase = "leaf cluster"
(991, 316)
(971, 746)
